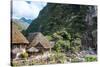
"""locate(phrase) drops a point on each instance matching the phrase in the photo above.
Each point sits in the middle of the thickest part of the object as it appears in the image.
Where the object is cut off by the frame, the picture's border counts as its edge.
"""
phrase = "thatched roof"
(38, 38)
(17, 36)
(32, 49)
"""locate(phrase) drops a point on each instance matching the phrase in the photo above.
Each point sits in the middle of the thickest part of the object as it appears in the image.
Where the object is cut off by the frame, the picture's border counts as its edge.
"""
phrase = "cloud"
(29, 10)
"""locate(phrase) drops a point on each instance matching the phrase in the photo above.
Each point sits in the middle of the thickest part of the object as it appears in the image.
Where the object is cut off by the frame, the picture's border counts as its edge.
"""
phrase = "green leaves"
(66, 41)
(90, 58)
(24, 55)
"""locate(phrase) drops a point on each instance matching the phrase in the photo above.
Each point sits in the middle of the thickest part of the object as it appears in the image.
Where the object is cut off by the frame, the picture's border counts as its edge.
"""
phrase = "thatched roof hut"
(18, 42)
(17, 36)
(38, 38)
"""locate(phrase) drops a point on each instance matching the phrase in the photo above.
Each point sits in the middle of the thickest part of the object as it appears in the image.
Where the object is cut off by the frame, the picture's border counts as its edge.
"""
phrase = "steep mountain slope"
(79, 21)
(20, 24)
(26, 20)
(59, 16)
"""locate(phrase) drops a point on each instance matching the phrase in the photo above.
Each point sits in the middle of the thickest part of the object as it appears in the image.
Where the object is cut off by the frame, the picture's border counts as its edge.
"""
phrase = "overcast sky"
(27, 9)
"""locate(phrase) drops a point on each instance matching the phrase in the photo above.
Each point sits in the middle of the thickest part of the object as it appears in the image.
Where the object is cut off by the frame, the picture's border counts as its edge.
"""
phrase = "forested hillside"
(68, 22)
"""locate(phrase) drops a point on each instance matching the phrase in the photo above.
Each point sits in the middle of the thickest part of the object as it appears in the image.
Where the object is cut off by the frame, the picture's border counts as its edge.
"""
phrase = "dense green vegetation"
(68, 25)
(90, 58)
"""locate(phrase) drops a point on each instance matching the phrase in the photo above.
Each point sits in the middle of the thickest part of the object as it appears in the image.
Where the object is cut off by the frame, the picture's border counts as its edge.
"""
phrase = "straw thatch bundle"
(17, 36)
(37, 38)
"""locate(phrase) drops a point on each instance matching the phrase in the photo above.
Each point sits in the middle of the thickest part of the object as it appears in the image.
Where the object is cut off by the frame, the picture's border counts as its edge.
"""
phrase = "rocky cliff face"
(89, 37)
(75, 19)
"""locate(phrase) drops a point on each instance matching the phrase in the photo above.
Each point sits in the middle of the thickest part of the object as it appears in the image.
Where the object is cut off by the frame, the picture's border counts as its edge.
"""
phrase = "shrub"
(66, 41)
(14, 63)
(75, 45)
(62, 35)
(65, 35)
(58, 57)
(49, 37)
(67, 45)
(58, 45)
(90, 58)
(56, 36)
(24, 55)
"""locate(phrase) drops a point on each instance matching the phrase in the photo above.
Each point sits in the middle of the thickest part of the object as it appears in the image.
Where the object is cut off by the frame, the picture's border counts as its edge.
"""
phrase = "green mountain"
(26, 20)
(20, 24)
(68, 21)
